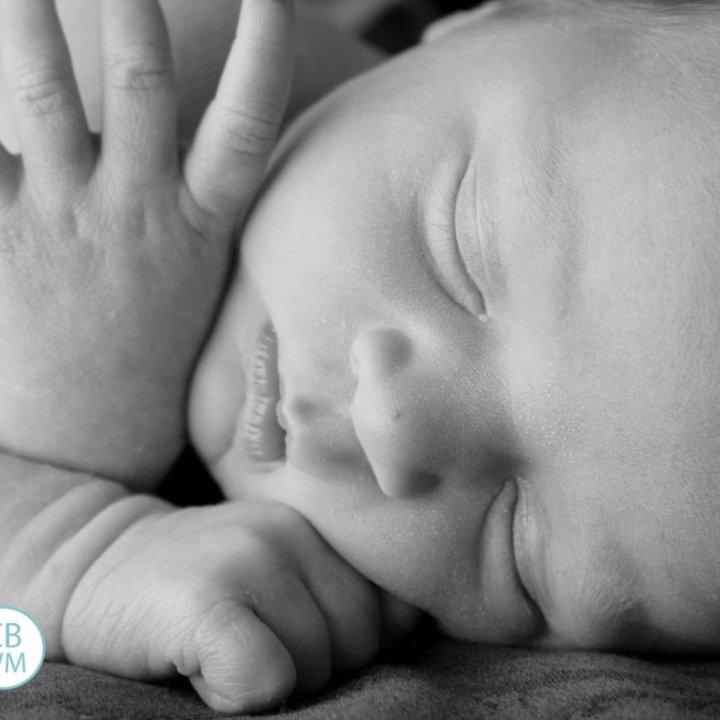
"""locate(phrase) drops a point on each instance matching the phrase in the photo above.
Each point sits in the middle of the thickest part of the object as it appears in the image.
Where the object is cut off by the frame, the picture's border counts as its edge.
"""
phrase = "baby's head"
(492, 267)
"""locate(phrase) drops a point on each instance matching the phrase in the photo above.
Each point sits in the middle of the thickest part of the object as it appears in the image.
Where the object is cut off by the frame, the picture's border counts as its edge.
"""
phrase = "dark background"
(401, 25)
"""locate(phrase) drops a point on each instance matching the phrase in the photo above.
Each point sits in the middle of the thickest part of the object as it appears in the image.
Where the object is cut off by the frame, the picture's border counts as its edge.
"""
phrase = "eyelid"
(471, 236)
(448, 259)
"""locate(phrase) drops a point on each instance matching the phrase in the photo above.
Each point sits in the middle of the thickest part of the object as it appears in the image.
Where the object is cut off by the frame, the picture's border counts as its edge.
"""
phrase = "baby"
(468, 366)
(482, 289)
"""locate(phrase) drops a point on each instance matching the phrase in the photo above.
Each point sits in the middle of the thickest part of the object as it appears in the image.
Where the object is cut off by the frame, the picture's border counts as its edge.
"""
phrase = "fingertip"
(243, 666)
(234, 700)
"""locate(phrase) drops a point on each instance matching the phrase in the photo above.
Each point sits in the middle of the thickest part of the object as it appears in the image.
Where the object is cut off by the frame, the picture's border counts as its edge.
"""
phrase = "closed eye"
(451, 270)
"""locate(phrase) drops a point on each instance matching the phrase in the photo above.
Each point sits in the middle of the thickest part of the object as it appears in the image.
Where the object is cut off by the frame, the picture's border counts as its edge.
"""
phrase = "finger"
(139, 140)
(228, 158)
(350, 606)
(398, 620)
(48, 113)
(241, 664)
(283, 603)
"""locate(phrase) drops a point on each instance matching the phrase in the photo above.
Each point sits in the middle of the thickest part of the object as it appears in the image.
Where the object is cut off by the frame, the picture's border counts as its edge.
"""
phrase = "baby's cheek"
(216, 397)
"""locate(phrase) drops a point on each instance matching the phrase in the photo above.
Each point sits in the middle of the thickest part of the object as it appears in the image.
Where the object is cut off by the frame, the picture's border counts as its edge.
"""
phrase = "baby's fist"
(245, 599)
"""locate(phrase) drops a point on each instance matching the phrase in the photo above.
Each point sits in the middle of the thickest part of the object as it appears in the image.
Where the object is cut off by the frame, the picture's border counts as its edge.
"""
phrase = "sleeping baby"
(467, 366)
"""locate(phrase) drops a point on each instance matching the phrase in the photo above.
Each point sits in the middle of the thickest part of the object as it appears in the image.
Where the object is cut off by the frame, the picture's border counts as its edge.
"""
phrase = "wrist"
(54, 525)
(133, 441)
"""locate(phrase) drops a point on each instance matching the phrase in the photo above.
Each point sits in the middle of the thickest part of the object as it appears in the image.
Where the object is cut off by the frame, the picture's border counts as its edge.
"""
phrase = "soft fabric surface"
(442, 680)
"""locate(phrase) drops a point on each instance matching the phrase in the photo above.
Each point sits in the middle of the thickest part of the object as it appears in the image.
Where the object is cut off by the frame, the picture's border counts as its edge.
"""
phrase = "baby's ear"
(450, 23)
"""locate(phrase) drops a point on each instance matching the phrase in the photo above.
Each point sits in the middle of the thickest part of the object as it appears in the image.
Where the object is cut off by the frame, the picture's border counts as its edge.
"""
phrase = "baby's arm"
(246, 599)
(113, 255)
(112, 263)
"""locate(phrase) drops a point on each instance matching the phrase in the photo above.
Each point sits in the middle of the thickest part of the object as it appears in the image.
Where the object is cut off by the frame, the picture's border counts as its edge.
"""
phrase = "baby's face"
(491, 268)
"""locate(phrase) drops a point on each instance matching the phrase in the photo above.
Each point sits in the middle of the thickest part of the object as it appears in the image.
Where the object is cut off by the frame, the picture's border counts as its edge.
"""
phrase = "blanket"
(440, 679)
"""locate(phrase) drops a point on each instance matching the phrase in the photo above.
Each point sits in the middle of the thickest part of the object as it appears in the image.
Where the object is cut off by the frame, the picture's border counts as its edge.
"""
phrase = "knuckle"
(138, 67)
(213, 620)
(269, 47)
(39, 91)
(203, 625)
(251, 130)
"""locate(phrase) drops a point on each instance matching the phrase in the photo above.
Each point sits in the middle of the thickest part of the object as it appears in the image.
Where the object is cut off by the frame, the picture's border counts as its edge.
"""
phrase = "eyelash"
(449, 260)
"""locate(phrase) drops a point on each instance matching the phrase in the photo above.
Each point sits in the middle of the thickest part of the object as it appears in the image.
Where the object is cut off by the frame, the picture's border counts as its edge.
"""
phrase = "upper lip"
(322, 443)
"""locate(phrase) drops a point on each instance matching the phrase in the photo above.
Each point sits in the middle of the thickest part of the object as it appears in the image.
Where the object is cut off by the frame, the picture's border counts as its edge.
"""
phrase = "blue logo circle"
(22, 648)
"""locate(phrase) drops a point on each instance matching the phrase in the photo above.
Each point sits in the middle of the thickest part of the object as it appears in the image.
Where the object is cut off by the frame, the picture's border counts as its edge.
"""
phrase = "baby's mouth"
(310, 434)
(264, 438)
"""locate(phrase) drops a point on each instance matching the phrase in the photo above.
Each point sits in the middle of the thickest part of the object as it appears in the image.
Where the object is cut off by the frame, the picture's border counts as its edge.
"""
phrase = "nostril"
(383, 351)
(297, 412)
(402, 482)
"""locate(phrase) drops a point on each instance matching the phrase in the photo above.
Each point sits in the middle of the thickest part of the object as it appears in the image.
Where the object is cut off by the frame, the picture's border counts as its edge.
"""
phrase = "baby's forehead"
(583, 41)
(560, 78)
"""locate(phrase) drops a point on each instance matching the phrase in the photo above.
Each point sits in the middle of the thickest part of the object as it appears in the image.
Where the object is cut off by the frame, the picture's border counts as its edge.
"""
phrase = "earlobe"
(451, 23)
(445, 26)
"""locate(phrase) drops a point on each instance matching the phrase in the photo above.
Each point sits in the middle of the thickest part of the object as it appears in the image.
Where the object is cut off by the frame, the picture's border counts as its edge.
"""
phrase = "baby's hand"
(113, 254)
(244, 599)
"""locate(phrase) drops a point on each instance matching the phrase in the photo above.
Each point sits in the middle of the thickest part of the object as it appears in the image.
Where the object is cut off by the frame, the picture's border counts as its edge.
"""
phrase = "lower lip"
(264, 438)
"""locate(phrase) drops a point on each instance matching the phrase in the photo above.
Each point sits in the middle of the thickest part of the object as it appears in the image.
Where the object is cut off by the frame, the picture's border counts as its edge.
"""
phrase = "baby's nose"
(395, 412)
